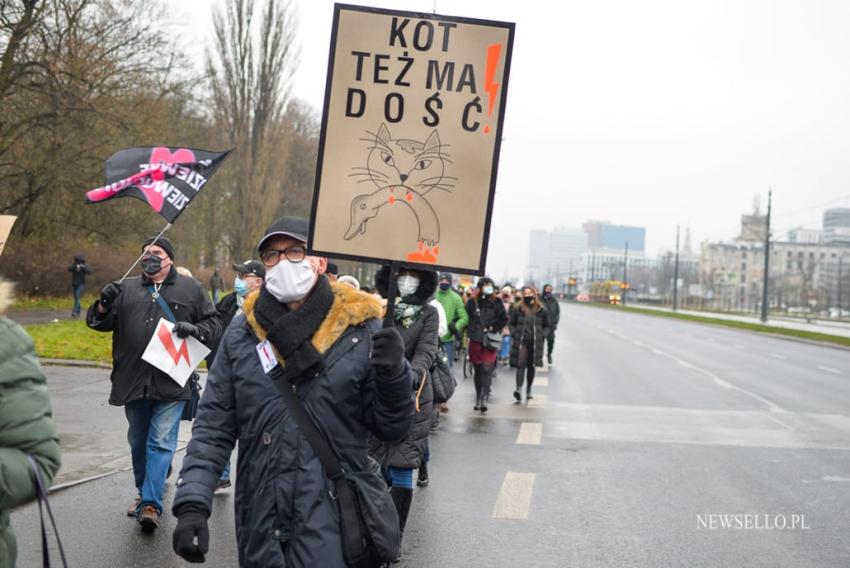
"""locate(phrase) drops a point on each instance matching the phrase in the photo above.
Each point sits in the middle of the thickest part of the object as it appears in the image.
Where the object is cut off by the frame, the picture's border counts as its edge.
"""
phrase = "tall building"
(565, 249)
(836, 226)
(604, 236)
(805, 236)
(538, 255)
(554, 256)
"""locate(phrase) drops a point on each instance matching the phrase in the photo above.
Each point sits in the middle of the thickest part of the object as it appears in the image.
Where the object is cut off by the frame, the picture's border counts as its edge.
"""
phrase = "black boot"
(402, 497)
(423, 475)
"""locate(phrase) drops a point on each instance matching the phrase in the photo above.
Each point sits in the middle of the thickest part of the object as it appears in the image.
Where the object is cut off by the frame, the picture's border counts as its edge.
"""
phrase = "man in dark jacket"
(79, 270)
(352, 379)
(153, 401)
(216, 285)
(550, 302)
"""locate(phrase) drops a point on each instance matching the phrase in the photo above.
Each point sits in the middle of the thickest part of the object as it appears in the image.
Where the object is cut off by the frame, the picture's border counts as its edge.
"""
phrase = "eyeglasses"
(271, 257)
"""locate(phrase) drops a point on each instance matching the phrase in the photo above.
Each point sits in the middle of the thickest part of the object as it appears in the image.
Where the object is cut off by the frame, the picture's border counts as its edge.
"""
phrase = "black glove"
(185, 329)
(388, 352)
(453, 328)
(191, 523)
(109, 293)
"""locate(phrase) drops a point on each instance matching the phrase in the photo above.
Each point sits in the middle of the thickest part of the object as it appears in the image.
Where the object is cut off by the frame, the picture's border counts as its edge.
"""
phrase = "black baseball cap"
(295, 227)
(446, 277)
(251, 266)
(332, 269)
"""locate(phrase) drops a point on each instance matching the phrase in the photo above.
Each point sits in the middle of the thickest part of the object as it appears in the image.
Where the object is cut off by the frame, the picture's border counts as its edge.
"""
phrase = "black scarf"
(291, 332)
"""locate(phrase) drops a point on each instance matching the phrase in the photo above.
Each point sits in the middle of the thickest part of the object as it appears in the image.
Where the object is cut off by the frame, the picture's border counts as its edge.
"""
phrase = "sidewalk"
(831, 328)
(92, 434)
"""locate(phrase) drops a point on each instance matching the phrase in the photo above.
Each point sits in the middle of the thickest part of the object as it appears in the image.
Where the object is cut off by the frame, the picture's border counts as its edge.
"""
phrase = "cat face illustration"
(418, 166)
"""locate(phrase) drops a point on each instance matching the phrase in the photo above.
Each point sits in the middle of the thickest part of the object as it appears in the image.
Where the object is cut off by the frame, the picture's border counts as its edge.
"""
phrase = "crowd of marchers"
(370, 387)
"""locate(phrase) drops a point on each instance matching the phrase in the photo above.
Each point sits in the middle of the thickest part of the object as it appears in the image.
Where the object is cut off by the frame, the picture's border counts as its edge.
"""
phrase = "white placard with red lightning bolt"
(172, 355)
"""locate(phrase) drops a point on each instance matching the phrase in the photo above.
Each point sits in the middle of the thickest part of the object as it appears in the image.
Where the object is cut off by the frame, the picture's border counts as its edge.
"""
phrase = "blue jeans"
(78, 293)
(225, 475)
(153, 440)
(449, 346)
(399, 477)
(505, 352)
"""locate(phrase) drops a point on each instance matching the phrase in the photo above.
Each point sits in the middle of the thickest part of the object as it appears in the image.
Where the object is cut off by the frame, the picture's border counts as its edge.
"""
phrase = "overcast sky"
(647, 113)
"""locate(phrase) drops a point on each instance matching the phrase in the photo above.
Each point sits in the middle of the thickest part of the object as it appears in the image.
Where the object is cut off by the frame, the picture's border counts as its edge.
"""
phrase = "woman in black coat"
(529, 325)
(417, 322)
(486, 315)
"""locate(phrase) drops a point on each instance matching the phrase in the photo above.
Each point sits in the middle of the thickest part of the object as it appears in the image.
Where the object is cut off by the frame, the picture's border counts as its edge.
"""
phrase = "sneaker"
(517, 396)
(549, 358)
(222, 485)
(149, 518)
(423, 476)
(528, 396)
(134, 508)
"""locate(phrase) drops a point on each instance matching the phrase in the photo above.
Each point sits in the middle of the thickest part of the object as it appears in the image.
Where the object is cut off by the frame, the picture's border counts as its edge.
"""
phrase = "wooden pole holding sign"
(413, 116)
(392, 292)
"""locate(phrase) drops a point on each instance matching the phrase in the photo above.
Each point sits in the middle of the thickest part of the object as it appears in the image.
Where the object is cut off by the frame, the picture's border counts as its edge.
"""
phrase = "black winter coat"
(285, 514)
(79, 270)
(524, 332)
(554, 308)
(226, 308)
(420, 349)
(492, 317)
(132, 318)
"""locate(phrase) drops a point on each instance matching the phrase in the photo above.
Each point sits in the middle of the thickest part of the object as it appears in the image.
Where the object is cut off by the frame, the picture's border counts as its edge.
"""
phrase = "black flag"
(167, 179)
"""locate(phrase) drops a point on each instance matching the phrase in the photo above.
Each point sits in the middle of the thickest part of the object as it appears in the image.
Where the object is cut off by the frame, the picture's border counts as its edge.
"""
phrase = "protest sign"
(174, 356)
(166, 179)
(6, 222)
(411, 131)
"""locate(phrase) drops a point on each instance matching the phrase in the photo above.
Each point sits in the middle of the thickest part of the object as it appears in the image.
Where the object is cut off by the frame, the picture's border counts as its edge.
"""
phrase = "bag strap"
(41, 495)
(330, 463)
(163, 304)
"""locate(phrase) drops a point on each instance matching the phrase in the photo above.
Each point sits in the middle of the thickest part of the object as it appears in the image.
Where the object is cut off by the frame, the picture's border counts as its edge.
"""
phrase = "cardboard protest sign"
(6, 222)
(176, 357)
(165, 179)
(409, 148)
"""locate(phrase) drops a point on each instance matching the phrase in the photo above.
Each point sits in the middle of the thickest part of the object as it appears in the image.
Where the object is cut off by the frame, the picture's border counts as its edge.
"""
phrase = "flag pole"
(167, 226)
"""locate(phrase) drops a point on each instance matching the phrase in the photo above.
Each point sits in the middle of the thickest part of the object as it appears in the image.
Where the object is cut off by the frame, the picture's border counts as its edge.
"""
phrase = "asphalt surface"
(650, 433)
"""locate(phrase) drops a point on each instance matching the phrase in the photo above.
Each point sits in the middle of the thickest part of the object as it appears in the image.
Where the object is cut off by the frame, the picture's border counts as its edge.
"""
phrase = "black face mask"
(151, 264)
(445, 286)
(529, 300)
(547, 294)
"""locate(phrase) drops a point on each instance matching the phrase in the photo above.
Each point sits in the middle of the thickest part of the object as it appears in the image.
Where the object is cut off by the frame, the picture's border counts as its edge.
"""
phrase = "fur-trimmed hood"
(428, 281)
(7, 295)
(350, 307)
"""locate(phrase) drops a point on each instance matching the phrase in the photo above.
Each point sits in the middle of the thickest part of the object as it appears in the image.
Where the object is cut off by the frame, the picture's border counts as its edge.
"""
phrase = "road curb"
(74, 363)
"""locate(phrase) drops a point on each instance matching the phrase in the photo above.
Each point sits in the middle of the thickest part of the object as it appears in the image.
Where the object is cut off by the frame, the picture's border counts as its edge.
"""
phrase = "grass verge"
(71, 339)
(52, 302)
(757, 327)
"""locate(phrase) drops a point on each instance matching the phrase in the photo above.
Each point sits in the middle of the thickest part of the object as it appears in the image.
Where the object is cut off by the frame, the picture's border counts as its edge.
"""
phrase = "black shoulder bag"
(491, 340)
(190, 409)
(444, 382)
(367, 515)
(41, 495)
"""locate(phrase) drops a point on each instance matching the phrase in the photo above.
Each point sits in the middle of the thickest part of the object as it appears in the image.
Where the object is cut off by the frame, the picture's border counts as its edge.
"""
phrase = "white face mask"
(290, 281)
(407, 285)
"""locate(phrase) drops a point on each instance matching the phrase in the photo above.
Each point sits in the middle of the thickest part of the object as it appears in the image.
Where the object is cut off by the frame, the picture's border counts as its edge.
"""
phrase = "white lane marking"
(638, 343)
(537, 401)
(835, 478)
(658, 352)
(829, 369)
(777, 356)
(530, 433)
(514, 500)
(541, 381)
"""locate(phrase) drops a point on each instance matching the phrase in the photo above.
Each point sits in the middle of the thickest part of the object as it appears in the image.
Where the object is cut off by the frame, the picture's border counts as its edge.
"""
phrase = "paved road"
(644, 429)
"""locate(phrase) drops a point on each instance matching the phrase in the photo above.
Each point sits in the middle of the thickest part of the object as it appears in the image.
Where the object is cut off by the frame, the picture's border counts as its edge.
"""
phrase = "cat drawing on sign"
(404, 171)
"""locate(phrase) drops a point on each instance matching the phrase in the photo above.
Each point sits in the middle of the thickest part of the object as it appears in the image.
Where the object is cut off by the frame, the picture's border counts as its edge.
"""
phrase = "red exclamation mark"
(494, 53)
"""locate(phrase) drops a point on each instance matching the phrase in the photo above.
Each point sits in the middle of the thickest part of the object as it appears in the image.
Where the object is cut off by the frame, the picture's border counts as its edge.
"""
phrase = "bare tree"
(250, 71)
